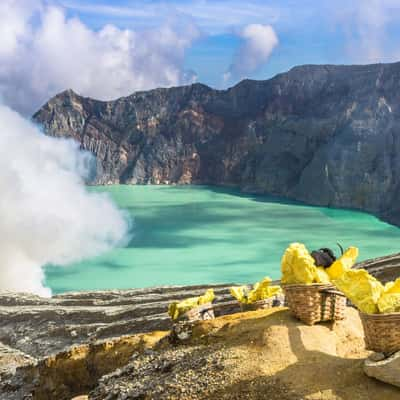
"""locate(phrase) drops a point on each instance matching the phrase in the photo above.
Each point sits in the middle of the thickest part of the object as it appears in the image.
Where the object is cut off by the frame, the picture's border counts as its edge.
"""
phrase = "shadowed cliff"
(326, 135)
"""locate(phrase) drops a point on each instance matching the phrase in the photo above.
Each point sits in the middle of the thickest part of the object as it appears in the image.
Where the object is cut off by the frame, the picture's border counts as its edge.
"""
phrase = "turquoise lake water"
(195, 234)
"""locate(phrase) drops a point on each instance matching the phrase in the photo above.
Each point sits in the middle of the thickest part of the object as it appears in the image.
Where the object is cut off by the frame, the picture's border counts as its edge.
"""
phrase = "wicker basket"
(182, 328)
(382, 332)
(257, 305)
(315, 303)
(199, 313)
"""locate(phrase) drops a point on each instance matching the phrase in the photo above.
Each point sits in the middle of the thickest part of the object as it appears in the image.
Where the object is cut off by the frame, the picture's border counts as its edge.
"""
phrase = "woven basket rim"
(306, 285)
(378, 316)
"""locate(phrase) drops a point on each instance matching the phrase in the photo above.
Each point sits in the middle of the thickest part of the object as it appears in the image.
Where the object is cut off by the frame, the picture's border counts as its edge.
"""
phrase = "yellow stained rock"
(176, 309)
(261, 290)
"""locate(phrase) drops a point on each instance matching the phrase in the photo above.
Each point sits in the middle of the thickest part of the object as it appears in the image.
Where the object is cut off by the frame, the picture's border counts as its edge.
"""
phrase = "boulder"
(385, 369)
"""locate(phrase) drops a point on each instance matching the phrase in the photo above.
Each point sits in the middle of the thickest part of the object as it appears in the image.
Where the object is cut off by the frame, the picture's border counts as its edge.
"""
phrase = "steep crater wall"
(325, 135)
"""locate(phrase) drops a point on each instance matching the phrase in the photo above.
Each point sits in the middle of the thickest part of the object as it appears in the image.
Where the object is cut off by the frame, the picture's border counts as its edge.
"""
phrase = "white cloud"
(45, 52)
(15, 29)
(366, 24)
(258, 43)
(47, 215)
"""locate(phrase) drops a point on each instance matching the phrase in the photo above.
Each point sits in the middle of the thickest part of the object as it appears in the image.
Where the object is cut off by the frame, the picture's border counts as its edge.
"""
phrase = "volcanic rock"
(385, 369)
(322, 134)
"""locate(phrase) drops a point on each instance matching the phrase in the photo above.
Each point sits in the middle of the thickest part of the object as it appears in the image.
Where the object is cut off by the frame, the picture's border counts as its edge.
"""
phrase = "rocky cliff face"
(325, 135)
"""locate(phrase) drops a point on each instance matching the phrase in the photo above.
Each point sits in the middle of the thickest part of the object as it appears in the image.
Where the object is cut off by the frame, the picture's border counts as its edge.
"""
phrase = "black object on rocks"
(323, 257)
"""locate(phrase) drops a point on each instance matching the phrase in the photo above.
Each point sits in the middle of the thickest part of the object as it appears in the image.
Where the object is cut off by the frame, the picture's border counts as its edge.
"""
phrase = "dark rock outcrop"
(325, 135)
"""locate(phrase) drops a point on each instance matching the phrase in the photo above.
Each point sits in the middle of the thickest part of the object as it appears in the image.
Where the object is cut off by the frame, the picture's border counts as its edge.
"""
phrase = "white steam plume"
(47, 215)
(259, 42)
(43, 51)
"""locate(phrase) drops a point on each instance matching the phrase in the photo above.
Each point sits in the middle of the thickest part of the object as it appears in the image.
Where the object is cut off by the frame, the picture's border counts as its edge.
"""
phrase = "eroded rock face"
(326, 135)
(76, 370)
(36, 335)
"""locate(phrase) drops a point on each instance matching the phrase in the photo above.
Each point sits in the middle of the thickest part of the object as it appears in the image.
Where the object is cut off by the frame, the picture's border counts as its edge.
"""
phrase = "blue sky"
(107, 49)
(309, 31)
(303, 37)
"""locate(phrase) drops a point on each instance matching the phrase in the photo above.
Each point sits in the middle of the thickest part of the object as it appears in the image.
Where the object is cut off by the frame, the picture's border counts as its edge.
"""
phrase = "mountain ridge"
(321, 134)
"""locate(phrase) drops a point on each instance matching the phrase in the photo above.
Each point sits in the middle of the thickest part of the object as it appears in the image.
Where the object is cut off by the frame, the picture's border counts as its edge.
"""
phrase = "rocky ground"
(254, 355)
(109, 358)
(40, 326)
(257, 355)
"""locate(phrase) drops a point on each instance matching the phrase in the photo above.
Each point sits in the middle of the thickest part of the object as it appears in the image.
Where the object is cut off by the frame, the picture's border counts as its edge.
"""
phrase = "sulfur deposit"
(261, 290)
(178, 308)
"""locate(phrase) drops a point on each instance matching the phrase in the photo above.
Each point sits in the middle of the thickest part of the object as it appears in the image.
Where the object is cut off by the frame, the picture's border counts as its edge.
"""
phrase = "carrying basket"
(182, 327)
(316, 302)
(381, 332)
(199, 313)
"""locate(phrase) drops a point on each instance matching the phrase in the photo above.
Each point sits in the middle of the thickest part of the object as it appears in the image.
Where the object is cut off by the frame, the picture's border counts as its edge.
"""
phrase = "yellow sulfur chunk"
(299, 267)
(361, 288)
(393, 287)
(321, 275)
(343, 264)
(239, 293)
(261, 290)
(389, 302)
(208, 297)
(176, 309)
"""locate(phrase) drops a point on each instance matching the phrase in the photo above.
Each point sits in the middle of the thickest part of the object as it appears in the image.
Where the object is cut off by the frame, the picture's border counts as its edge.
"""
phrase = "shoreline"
(249, 192)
